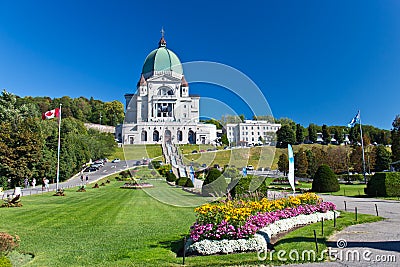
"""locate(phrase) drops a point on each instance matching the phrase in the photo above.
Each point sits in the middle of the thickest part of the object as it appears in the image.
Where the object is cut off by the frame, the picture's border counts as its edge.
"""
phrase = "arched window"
(156, 136)
(167, 136)
(165, 91)
(179, 134)
(144, 136)
(192, 137)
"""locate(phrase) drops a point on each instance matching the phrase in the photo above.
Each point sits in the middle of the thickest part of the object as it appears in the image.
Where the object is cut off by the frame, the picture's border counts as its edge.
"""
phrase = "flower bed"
(259, 242)
(235, 219)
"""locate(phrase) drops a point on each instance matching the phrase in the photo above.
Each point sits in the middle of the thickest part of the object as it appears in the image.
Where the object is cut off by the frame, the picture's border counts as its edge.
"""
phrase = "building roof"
(162, 59)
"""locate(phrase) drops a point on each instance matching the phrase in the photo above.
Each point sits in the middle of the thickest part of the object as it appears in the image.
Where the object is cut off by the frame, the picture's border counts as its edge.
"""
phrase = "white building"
(251, 132)
(162, 110)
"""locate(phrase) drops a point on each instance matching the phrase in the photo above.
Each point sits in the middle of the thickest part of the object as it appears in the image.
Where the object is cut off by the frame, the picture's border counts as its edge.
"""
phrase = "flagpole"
(58, 148)
(363, 155)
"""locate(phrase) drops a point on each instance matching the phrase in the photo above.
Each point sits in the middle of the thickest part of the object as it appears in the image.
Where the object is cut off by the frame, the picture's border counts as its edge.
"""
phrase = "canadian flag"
(51, 114)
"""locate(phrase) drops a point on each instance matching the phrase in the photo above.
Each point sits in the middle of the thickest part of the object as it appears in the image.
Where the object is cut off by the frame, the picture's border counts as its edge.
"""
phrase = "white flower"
(259, 241)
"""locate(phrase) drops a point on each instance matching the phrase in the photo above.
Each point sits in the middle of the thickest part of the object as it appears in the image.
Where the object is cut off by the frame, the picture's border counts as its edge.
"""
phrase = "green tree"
(312, 133)
(382, 158)
(326, 136)
(285, 135)
(301, 163)
(395, 136)
(224, 139)
(283, 164)
(339, 136)
(299, 134)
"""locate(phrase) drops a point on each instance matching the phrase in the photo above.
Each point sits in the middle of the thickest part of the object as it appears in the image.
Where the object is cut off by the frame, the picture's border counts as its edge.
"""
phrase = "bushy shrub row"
(384, 184)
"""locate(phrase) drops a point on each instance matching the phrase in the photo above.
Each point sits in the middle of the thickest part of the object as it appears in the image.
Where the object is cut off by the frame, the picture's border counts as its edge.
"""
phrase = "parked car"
(116, 160)
(201, 151)
(250, 168)
(194, 151)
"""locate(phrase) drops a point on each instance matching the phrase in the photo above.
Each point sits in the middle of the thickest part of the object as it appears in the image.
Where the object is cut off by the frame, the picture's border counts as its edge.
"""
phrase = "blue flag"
(355, 120)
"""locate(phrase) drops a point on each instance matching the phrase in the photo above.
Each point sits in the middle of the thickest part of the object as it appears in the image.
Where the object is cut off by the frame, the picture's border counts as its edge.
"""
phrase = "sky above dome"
(314, 61)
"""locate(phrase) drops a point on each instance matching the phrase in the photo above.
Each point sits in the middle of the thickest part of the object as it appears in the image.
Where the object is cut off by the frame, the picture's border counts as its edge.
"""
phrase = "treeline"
(341, 159)
(292, 133)
(81, 108)
(28, 144)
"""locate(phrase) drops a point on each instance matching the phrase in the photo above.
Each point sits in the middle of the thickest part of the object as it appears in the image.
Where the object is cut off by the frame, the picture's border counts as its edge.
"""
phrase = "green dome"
(162, 59)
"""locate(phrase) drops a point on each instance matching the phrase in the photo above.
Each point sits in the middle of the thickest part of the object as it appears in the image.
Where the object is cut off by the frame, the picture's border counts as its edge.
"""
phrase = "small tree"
(312, 133)
(299, 134)
(283, 164)
(326, 136)
(325, 180)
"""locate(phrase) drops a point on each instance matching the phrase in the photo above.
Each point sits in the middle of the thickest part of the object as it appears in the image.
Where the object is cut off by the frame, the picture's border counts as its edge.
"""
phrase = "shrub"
(384, 184)
(170, 177)
(181, 181)
(125, 174)
(325, 180)
(8, 243)
(244, 185)
(214, 184)
(5, 262)
(164, 169)
(189, 183)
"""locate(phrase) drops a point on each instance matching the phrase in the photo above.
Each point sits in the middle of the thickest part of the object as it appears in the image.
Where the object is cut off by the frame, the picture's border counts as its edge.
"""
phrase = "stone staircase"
(173, 158)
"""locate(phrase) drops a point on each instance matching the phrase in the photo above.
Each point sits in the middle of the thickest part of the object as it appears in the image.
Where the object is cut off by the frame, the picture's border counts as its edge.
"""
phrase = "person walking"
(26, 182)
(33, 183)
(87, 178)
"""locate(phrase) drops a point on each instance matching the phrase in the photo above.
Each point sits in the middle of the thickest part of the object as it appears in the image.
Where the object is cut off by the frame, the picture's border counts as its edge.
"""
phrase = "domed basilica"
(162, 110)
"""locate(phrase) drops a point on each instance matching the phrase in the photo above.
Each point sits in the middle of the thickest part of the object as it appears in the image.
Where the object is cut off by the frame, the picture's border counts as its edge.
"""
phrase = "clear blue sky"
(315, 61)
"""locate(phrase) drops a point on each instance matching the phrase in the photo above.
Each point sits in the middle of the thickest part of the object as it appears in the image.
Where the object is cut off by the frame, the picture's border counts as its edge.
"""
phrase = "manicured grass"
(350, 190)
(137, 152)
(240, 157)
(110, 226)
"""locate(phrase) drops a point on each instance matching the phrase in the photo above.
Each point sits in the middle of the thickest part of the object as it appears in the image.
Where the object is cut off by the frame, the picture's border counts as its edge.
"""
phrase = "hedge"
(384, 184)
(350, 177)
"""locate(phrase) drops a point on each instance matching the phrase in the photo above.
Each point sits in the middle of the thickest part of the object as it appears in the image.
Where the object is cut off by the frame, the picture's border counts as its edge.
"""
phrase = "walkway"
(75, 181)
(378, 241)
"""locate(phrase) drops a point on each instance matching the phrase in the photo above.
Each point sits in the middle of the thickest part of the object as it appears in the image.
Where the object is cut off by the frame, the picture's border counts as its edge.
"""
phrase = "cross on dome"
(162, 42)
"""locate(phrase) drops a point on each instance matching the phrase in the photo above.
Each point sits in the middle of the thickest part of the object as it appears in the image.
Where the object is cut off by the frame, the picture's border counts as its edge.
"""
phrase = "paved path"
(378, 241)
(75, 181)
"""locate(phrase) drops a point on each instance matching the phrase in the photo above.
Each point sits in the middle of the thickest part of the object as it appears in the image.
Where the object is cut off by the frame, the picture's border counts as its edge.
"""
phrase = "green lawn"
(110, 226)
(137, 152)
(350, 190)
(256, 156)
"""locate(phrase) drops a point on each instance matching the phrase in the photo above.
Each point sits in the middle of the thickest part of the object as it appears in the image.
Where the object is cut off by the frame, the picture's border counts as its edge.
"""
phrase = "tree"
(325, 180)
(326, 136)
(312, 133)
(299, 134)
(301, 163)
(382, 158)
(285, 135)
(283, 164)
(339, 136)
(395, 136)
(224, 139)
(242, 117)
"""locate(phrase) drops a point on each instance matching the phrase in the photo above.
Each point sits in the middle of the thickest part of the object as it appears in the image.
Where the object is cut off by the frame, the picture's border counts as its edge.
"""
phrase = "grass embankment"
(110, 226)
(137, 152)
(259, 157)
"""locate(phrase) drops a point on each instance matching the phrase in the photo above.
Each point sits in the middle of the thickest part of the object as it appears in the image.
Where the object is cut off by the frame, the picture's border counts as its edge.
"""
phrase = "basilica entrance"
(167, 136)
(192, 137)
